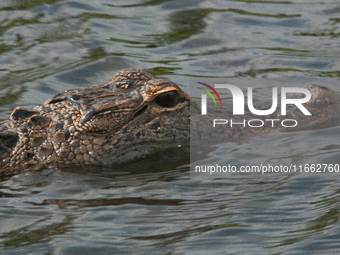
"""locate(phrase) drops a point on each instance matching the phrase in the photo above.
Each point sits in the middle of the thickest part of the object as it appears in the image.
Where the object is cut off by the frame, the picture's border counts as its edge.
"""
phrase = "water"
(49, 46)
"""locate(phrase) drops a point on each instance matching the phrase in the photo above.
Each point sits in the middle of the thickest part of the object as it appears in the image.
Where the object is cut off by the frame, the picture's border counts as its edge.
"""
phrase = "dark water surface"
(52, 45)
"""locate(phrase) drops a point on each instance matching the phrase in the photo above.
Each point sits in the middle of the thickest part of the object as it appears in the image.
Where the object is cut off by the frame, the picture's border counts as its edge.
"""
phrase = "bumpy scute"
(21, 113)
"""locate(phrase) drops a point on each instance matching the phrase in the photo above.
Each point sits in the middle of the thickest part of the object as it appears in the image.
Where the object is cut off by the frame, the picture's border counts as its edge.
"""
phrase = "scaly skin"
(132, 117)
(127, 119)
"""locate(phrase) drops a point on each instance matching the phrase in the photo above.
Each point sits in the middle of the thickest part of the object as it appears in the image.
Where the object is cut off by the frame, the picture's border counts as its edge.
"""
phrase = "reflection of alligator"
(127, 119)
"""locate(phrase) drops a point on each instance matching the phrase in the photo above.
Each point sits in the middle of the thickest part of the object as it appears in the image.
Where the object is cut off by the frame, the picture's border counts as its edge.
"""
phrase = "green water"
(50, 46)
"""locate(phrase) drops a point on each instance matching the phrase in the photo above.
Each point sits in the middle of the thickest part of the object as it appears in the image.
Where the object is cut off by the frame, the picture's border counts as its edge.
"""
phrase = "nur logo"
(239, 99)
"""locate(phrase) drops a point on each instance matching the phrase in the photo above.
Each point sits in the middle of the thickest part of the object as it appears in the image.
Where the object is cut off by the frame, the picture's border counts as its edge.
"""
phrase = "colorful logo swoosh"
(212, 89)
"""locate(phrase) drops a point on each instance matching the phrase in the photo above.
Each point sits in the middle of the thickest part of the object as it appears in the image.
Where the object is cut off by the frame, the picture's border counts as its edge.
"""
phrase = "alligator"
(132, 117)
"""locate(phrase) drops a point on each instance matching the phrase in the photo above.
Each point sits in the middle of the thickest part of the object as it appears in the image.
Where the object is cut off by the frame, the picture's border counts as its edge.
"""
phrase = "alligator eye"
(168, 99)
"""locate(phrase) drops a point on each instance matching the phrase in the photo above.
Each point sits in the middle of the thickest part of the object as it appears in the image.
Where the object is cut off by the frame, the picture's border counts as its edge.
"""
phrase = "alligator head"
(127, 119)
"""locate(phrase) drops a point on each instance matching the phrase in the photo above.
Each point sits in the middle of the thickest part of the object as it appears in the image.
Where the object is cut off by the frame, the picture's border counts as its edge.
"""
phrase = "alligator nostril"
(324, 87)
